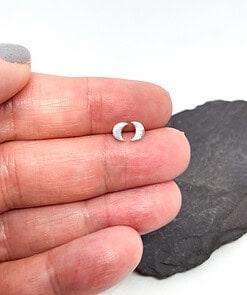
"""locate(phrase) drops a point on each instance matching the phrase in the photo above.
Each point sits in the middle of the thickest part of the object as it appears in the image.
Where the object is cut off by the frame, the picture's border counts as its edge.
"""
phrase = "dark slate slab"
(214, 188)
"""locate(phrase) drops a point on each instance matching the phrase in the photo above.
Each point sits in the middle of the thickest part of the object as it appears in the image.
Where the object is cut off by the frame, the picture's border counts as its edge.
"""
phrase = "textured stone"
(214, 188)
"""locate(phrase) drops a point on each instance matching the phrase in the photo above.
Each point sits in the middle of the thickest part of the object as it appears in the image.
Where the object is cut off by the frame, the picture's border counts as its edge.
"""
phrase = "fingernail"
(14, 53)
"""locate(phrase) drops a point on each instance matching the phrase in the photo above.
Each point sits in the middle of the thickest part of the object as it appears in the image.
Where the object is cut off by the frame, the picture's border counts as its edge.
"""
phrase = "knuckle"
(53, 277)
(7, 121)
(116, 166)
(4, 239)
(9, 184)
(94, 98)
(105, 163)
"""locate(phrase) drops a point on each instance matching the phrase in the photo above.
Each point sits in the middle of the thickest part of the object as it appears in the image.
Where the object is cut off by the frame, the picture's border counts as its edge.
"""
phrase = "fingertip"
(163, 102)
(162, 207)
(132, 246)
(120, 251)
(186, 152)
(100, 260)
(13, 78)
(182, 157)
(168, 205)
(127, 251)
(175, 200)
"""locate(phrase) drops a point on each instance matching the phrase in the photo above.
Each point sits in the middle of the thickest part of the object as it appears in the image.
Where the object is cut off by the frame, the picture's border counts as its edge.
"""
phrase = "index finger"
(55, 107)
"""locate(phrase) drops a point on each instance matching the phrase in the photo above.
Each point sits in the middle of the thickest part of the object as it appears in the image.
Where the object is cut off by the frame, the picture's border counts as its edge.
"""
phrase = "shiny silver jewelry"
(118, 129)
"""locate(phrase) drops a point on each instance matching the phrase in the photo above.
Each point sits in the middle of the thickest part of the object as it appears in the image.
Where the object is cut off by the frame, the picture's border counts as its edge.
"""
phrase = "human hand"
(73, 200)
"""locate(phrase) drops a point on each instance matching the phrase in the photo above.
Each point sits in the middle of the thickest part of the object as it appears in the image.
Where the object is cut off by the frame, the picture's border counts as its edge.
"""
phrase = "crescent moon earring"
(118, 129)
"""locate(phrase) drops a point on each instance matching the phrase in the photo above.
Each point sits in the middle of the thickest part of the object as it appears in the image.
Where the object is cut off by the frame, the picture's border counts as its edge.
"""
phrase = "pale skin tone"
(73, 200)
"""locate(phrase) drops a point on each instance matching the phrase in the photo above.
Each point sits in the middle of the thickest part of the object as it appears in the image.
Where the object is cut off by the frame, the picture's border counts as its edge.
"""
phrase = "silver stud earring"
(118, 129)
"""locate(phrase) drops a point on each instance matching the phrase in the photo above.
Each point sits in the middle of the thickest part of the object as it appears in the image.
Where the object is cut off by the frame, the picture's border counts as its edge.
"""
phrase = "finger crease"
(4, 234)
(89, 104)
(94, 106)
(17, 183)
(106, 172)
(13, 119)
(106, 210)
(4, 206)
(5, 178)
(52, 276)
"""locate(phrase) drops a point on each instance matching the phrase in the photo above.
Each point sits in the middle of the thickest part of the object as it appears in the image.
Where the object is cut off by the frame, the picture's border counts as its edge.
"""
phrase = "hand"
(73, 200)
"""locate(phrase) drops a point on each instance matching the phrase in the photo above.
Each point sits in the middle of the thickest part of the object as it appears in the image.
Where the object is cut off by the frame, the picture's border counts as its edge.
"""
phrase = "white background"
(197, 50)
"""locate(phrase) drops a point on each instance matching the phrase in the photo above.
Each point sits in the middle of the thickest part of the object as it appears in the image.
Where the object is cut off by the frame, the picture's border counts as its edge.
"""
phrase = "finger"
(86, 265)
(145, 209)
(14, 72)
(52, 107)
(60, 171)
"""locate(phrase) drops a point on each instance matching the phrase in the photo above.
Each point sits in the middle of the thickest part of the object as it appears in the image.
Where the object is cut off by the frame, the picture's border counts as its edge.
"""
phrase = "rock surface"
(214, 189)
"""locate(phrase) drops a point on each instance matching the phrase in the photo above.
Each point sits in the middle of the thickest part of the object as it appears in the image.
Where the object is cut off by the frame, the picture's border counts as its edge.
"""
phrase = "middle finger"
(37, 173)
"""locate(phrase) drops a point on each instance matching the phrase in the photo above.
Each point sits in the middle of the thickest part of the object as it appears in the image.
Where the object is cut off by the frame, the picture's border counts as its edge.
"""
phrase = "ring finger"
(144, 209)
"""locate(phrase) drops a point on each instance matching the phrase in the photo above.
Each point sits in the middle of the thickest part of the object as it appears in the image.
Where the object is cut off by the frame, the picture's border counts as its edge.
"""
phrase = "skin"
(73, 200)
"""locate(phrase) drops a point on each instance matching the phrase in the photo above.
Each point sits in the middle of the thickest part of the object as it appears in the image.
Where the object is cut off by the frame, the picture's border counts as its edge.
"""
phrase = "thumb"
(14, 69)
